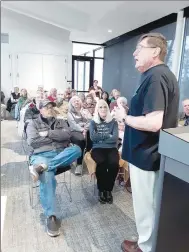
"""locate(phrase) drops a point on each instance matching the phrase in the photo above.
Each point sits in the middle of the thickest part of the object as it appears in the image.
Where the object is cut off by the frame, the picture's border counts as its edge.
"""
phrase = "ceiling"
(90, 21)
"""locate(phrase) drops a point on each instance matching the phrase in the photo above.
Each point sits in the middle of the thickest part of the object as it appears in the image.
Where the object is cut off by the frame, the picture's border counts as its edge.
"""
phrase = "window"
(81, 49)
(99, 53)
(184, 70)
(98, 70)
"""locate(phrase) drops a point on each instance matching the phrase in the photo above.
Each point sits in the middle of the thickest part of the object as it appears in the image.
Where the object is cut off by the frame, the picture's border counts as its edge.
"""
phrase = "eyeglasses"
(140, 47)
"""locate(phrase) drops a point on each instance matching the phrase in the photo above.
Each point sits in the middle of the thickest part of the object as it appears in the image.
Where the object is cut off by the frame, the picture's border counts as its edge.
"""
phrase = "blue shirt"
(104, 135)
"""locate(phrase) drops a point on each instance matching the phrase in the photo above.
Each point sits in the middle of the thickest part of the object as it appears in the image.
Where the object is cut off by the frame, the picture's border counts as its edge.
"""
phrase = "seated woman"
(112, 95)
(120, 108)
(22, 101)
(61, 106)
(79, 126)
(88, 107)
(105, 96)
(12, 101)
(104, 135)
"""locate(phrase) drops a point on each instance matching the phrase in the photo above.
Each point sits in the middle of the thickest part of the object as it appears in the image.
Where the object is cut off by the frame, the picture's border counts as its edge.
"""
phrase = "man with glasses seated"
(185, 104)
(49, 139)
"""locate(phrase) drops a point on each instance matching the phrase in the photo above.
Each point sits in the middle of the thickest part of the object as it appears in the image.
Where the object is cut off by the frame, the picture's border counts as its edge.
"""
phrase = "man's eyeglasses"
(140, 47)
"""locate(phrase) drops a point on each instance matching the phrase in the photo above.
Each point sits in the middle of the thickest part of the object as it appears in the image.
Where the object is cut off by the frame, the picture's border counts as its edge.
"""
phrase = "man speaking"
(154, 106)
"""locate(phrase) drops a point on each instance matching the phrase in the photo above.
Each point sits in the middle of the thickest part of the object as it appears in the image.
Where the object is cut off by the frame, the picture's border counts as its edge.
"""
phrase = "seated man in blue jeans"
(49, 139)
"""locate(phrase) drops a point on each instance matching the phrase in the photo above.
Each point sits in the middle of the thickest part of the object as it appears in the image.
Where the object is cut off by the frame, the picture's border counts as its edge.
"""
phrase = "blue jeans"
(53, 159)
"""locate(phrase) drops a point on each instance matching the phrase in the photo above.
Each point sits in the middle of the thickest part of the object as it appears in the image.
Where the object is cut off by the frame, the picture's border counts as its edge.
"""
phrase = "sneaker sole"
(34, 175)
(77, 174)
(53, 235)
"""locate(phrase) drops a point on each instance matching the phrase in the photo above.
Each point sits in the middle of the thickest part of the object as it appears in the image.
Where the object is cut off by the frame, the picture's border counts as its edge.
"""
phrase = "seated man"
(49, 139)
(186, 111)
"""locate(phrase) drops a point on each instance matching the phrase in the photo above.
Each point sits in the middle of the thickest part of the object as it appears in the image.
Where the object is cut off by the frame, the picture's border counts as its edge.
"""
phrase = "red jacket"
(52, 99)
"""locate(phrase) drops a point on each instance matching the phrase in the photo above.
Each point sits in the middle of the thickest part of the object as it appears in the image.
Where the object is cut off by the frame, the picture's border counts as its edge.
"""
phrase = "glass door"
(82, 73)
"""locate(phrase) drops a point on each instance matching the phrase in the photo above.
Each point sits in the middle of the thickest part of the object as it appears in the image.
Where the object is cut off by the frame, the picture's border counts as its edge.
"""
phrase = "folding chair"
(88, 147)
(59, 171)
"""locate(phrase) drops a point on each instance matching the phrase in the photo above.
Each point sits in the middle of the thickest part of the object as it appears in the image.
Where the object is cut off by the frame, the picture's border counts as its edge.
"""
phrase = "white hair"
(96, 117)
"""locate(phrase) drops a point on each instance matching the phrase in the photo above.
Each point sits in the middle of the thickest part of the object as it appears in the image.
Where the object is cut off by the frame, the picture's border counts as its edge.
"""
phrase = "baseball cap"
(45, 102)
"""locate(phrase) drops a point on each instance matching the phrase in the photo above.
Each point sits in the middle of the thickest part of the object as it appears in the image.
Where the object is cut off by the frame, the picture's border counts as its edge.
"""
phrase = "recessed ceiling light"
(109, 31)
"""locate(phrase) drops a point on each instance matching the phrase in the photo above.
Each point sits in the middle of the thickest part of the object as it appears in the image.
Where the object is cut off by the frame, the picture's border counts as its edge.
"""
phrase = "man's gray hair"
(156, 40)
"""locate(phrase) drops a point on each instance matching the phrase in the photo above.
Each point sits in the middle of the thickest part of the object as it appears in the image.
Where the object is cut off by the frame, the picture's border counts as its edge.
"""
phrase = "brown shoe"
(130, 246)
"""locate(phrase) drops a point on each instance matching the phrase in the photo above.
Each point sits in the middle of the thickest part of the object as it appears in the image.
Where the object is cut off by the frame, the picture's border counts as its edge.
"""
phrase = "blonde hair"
(96, 117)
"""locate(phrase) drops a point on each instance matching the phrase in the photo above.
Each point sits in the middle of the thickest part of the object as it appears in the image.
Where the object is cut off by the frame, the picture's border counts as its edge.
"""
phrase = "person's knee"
(47, 177)
(113, 162)
(76, 150)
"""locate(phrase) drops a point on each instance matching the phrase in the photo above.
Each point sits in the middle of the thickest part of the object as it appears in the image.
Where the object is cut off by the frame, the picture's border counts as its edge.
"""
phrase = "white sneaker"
(78, 170)
(37, 170)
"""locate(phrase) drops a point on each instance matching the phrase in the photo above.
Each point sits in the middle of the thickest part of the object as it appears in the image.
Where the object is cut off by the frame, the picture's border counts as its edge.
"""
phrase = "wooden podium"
(172, 214)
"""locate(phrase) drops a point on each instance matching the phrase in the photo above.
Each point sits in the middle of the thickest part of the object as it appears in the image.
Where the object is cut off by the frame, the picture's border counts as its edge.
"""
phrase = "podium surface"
(172, 213)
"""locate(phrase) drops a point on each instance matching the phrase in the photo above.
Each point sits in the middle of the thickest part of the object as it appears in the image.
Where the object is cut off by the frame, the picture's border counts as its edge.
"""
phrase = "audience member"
(23, 98)
(104, 135)
(53, 95)
(82, 96)
(12, 101)
(49, 139)
(111, 96)
(88, 107)
(73, 93)
(3, 106)
(61, 106)
(79, 126)
(96, 88)
(120, 109)
(105, 96)
(67, 95)
(39, 97)
(185, 104)
(114, 103)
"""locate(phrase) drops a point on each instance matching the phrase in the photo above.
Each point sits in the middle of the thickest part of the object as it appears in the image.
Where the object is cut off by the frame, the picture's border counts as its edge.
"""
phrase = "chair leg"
(69, 190)
(94, 185)
(30, 192)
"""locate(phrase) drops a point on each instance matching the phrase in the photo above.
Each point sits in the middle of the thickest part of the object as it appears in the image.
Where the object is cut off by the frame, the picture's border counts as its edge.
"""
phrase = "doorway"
(82, 73)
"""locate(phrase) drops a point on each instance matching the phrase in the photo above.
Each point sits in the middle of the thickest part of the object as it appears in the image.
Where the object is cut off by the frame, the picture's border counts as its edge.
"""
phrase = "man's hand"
(120, 114)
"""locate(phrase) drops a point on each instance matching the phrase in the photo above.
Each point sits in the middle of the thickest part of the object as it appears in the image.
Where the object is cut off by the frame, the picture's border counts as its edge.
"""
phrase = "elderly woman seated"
(79, 126)
(22, 102)
(121, 107)
(88, 108)
(104, 135)
(61, 106)
(12, 101)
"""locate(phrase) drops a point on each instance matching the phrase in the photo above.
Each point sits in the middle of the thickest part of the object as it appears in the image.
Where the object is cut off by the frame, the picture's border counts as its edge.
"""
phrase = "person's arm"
(59, 135)
(155, 103)
(149, 122)
(114, 135)
(12, 99)
(34, 139)
(73, 125)
(95, 135)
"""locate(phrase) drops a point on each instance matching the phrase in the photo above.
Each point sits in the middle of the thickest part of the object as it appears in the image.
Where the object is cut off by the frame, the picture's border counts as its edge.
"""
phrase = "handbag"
(90, 163)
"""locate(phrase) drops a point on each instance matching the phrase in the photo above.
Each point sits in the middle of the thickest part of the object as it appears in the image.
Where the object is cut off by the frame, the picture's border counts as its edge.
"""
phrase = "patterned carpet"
(86, 226)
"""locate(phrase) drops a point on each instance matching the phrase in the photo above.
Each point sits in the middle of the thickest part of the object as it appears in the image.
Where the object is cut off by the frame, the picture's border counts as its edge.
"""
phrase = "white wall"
(30, 36)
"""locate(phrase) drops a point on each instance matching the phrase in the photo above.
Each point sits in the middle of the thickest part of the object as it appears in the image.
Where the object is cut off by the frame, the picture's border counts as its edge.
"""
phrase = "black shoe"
(53, 227)
(101, 198)
(109, 197)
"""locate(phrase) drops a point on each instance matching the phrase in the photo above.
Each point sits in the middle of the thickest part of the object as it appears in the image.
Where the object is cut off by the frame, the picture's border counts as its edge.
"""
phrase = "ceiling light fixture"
(109, 31)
